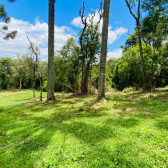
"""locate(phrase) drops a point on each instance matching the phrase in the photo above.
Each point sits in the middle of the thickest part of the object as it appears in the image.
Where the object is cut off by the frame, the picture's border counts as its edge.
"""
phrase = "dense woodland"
(77, 66)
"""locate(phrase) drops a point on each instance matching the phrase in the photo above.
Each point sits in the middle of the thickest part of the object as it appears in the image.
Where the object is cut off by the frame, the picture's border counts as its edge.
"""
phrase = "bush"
(128, 90)
(45, 84)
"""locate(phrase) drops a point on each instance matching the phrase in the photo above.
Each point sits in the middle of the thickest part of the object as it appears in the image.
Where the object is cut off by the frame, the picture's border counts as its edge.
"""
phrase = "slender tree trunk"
(0, 82)
(83, 74)
(90, 79)
(20, 83)
(82, 81)
(76, 84)
(40, 89)
(141, 55)
(102, 77)
(86, 78)
(34, 83)
(50, 90)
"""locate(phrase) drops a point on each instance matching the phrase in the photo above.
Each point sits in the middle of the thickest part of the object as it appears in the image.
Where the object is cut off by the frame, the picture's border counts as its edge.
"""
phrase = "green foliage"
(6, 19)
(67, 67)
(44, 88)
(128, 90)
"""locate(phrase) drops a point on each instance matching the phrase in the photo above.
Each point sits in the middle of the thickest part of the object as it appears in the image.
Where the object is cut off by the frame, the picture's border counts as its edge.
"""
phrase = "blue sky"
(31, 17)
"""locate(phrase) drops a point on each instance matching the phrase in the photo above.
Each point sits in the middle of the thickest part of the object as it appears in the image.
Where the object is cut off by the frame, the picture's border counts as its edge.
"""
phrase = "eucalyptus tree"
(50, 90)
(102, 78)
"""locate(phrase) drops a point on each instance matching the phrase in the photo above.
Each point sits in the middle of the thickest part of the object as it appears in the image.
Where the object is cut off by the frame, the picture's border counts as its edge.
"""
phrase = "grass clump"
(128, 90)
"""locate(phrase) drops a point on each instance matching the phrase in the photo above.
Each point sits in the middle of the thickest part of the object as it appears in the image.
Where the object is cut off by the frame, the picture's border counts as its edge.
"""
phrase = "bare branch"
(129, 7)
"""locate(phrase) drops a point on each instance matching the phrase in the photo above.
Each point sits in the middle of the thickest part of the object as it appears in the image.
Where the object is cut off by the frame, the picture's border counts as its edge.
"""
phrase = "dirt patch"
(10, 93)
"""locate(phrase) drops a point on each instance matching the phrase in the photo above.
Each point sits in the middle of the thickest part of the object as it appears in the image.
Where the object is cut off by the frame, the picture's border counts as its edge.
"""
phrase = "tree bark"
(40, 88)
(102, 77)
(86, 78)
(50, 90)
(20, 83)
(141, 54)
(90, 79)
(34, 83)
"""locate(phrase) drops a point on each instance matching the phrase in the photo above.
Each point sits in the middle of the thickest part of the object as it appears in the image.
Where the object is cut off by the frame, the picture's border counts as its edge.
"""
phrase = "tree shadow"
(127, 123)
(32, 134)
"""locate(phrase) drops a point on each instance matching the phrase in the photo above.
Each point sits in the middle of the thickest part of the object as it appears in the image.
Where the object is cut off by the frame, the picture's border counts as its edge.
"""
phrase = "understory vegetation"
(123, 130)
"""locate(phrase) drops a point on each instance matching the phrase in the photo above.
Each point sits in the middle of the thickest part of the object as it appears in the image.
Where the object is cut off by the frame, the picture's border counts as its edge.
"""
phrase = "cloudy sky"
(31, 17)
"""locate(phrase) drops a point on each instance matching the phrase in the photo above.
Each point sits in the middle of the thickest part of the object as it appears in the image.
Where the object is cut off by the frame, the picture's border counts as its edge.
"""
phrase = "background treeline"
(121, 73)
(77, 65)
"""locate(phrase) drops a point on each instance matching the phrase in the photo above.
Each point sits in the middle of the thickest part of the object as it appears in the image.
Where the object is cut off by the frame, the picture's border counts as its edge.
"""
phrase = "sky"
(30, 17)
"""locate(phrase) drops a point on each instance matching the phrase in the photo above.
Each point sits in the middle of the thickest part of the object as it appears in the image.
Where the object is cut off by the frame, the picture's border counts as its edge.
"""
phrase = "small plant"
(45, 83)
(128, 90)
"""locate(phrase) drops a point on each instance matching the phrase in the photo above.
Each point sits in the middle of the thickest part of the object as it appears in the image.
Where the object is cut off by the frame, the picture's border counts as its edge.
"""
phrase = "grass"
(125, 130)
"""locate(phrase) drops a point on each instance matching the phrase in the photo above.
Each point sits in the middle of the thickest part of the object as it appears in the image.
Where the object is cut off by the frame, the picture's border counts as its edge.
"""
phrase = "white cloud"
(37, 32)
(77, 22)
(116, 53)
(120, 31)
(113, 34)
(118, 22)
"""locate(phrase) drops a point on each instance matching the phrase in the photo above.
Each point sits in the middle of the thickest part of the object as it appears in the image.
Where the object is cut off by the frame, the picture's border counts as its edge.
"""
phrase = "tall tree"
(137, 18)
(50, 90)
(90, 44)
(102, 78)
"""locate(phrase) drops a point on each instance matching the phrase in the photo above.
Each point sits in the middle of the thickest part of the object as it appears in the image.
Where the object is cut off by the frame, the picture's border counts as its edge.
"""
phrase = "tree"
(6, 19)
(35, 52)
(91, 49)
(19, 69)
(50, 90)
(154, 25)
(68, 67)
(5, 78)
(102, 78)
(90, 45)
(137, 18)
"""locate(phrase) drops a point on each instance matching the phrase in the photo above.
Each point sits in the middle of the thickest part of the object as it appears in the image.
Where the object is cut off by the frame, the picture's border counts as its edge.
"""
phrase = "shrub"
(45, 84)
(128, 90)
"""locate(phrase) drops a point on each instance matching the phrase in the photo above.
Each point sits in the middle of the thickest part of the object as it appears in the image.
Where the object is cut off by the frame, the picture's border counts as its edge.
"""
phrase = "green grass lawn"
(125, 130)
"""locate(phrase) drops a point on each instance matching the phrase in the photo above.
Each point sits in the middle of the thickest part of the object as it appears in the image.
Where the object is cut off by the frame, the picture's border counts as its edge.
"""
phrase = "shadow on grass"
(153, 106)
(162, 124)
(127, 123)
(30, 136)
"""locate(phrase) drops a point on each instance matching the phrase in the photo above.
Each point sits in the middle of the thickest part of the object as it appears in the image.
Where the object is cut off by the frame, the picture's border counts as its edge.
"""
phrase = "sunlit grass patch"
(123, 130)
